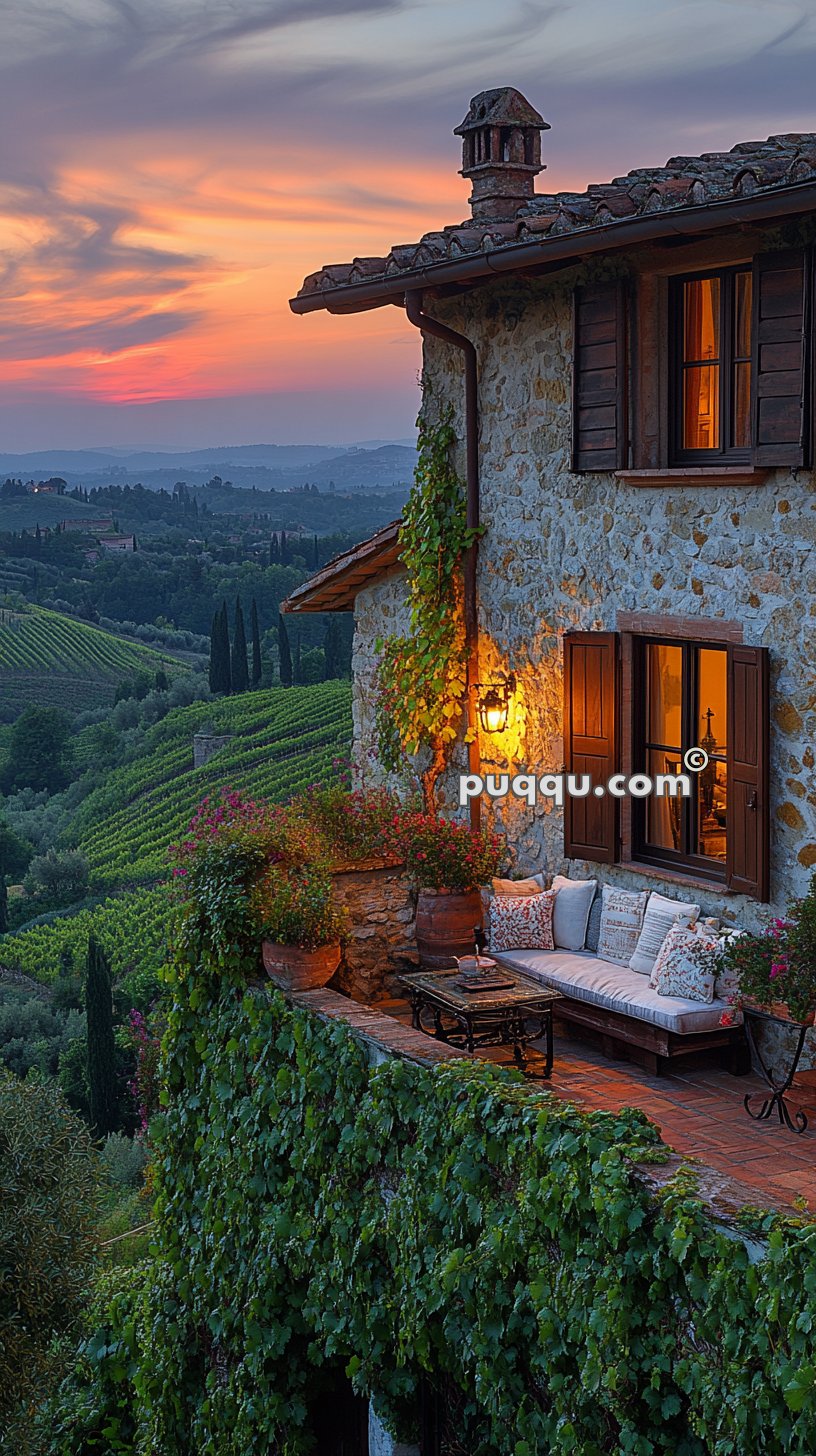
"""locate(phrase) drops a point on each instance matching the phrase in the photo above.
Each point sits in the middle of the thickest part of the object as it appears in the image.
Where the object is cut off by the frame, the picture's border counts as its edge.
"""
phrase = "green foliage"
(297, 907)
(777, 964)
(15, 853)
(422, 675)
(48, 1211)
(60, 877)
(39, 751)
(283, 741)
(238, 661)
(455, 1223)
(123, 1159)
(284, 654)
(43, 652)
(102, 1091)
(134, 928)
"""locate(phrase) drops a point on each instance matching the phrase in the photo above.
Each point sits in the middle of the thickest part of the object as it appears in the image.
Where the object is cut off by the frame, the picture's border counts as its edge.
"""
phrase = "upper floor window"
(711, 356)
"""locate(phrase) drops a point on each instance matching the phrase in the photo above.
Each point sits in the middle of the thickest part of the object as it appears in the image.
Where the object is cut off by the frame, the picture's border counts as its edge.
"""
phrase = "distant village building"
(117, 544)
(92, 526)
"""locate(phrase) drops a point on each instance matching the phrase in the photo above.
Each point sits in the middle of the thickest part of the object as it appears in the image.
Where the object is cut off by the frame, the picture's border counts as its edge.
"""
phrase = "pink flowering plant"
(357, 825)
(446, 854)
(778, 964)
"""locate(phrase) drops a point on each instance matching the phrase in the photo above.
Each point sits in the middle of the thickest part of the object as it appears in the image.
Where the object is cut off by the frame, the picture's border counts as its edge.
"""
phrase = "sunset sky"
(170, 170)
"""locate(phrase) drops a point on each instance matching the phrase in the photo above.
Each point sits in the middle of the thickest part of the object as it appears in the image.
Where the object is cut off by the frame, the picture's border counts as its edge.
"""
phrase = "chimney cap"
(500, 106)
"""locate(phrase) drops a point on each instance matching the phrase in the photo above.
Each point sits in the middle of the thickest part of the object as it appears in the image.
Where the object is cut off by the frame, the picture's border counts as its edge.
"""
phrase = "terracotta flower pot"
(444, 925)
(295, 969)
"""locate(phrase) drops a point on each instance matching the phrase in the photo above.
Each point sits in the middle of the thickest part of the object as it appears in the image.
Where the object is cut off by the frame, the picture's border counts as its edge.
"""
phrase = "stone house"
(631, 371)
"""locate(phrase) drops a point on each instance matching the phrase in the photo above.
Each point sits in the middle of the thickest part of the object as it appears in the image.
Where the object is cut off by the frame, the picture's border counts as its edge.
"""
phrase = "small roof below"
(334, 588)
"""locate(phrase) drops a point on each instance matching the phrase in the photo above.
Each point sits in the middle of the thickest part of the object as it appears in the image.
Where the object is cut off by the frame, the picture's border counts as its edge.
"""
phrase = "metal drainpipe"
(413, 309)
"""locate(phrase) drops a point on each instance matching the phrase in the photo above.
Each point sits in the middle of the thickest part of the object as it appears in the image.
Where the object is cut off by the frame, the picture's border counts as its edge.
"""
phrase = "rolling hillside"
(51, 659)
(284, 740)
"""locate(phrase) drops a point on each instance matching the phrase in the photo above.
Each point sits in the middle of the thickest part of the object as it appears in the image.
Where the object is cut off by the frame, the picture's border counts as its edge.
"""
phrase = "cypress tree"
(331, 650)
(240, 675)
(316, 561)
(284, 548)
(4, 925)
(214, 682)
(220, 678)
(284, 654)
(256, 644)
(101, 1045)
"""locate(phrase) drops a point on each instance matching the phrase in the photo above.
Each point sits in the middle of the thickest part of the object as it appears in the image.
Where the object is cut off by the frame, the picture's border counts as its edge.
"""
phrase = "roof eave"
(790, 201)
(335, 587)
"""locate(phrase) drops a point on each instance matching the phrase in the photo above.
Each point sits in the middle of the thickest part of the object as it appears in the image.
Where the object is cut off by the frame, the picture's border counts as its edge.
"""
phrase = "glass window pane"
(664, 815)
(701, 408)
(712, 719)
(742, 404)
(664, 694)
(713, 793)
(742, 315)
(701, 320)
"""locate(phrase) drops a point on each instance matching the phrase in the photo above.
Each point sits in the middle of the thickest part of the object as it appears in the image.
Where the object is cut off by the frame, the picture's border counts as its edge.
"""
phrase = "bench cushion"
(584, 977)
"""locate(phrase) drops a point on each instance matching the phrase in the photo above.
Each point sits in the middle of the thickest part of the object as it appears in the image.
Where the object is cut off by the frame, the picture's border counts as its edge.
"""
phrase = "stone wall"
(570, 552)
(382, 906)
(207, 744)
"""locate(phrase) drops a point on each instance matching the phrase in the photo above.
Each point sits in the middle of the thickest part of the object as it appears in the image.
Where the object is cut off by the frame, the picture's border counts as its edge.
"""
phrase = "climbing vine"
(422, 675)
(399, 1224)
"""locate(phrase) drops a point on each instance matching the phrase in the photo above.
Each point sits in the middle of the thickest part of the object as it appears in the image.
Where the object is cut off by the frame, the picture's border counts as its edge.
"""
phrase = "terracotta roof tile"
(750, 168)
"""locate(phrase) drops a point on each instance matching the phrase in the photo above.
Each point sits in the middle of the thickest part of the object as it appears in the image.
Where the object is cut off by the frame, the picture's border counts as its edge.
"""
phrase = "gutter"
(428, 325)
(573, 246)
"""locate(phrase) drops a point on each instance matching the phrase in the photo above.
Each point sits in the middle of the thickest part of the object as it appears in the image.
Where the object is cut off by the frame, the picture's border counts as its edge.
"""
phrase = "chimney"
(501, 152)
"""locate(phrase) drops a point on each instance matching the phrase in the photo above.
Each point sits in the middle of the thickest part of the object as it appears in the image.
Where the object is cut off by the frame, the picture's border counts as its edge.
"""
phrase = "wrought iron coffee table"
(513, 1016)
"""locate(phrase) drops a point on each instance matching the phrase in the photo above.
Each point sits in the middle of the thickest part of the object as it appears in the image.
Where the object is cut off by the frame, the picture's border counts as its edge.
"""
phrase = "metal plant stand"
(798, 1123)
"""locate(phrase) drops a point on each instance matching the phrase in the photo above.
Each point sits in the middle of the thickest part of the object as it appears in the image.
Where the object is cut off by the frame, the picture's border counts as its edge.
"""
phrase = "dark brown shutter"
(599, 378)
(591, 742)
(748, 816)
(781, 359)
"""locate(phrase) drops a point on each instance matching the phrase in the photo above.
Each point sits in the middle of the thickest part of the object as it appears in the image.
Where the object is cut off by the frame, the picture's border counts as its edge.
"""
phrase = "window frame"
(726, 452)
(677, 861)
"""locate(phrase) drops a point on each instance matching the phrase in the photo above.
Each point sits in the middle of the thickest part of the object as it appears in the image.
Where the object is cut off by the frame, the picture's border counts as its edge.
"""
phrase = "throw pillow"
(683, 966)
(531, 886)
(593, 930)
(726, 986)
(621, 919)
(661, 915)
(522, 922)
(573, 902)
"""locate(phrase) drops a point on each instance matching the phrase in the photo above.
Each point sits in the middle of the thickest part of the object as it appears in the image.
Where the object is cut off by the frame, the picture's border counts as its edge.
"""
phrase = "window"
(711, 353)
(634, 703)
(680, 702)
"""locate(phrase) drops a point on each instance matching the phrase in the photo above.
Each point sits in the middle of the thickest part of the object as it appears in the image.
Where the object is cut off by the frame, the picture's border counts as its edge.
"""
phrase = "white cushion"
(616, 988)
(573, 903)
(621, 918)
(593, 930)
(662, 914)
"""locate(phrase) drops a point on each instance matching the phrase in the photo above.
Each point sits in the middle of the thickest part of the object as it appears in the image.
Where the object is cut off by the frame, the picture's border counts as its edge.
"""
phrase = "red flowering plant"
(230, 842)
(358, 825)
(777, 965)
(297, 907)
(446, 854)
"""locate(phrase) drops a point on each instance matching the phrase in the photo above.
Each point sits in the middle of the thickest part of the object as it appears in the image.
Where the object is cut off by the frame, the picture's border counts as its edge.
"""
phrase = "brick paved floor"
(700, 1114)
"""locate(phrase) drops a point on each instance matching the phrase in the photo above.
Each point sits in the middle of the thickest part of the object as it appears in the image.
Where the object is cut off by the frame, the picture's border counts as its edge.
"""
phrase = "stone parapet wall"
(382, 907)
(207, 744)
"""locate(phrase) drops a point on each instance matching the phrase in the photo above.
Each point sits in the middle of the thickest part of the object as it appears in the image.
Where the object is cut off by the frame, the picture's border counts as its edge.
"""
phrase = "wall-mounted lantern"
(493, 703)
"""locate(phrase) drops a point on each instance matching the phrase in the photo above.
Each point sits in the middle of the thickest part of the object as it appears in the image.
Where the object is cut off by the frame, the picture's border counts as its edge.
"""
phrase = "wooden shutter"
(748, 832)
(591, 742)
(781, 411)
(599, 402)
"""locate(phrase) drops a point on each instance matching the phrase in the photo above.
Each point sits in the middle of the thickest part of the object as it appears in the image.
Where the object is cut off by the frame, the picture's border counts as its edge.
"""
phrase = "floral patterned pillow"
(683, 966)
(522, 922)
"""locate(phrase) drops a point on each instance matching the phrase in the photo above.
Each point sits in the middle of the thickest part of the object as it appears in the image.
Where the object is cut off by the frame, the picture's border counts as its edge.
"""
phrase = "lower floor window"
(680, 703)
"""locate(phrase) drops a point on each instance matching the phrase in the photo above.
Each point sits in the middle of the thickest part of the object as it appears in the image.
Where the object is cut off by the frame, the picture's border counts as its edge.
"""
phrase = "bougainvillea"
(446, 854)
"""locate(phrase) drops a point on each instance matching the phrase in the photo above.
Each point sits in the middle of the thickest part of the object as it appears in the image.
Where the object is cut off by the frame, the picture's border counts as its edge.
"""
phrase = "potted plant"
(302, 928)
(448, 862)
(774, 970)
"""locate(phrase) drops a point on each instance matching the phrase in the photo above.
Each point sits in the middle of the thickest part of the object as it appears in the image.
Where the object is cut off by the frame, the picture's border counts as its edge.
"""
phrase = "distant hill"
(283, 740)
(380, 465)
(25, 513)
(56, 661)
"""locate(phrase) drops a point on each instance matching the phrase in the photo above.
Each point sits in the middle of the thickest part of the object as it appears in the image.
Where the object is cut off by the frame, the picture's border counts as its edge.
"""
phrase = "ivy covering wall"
(316, 1212)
